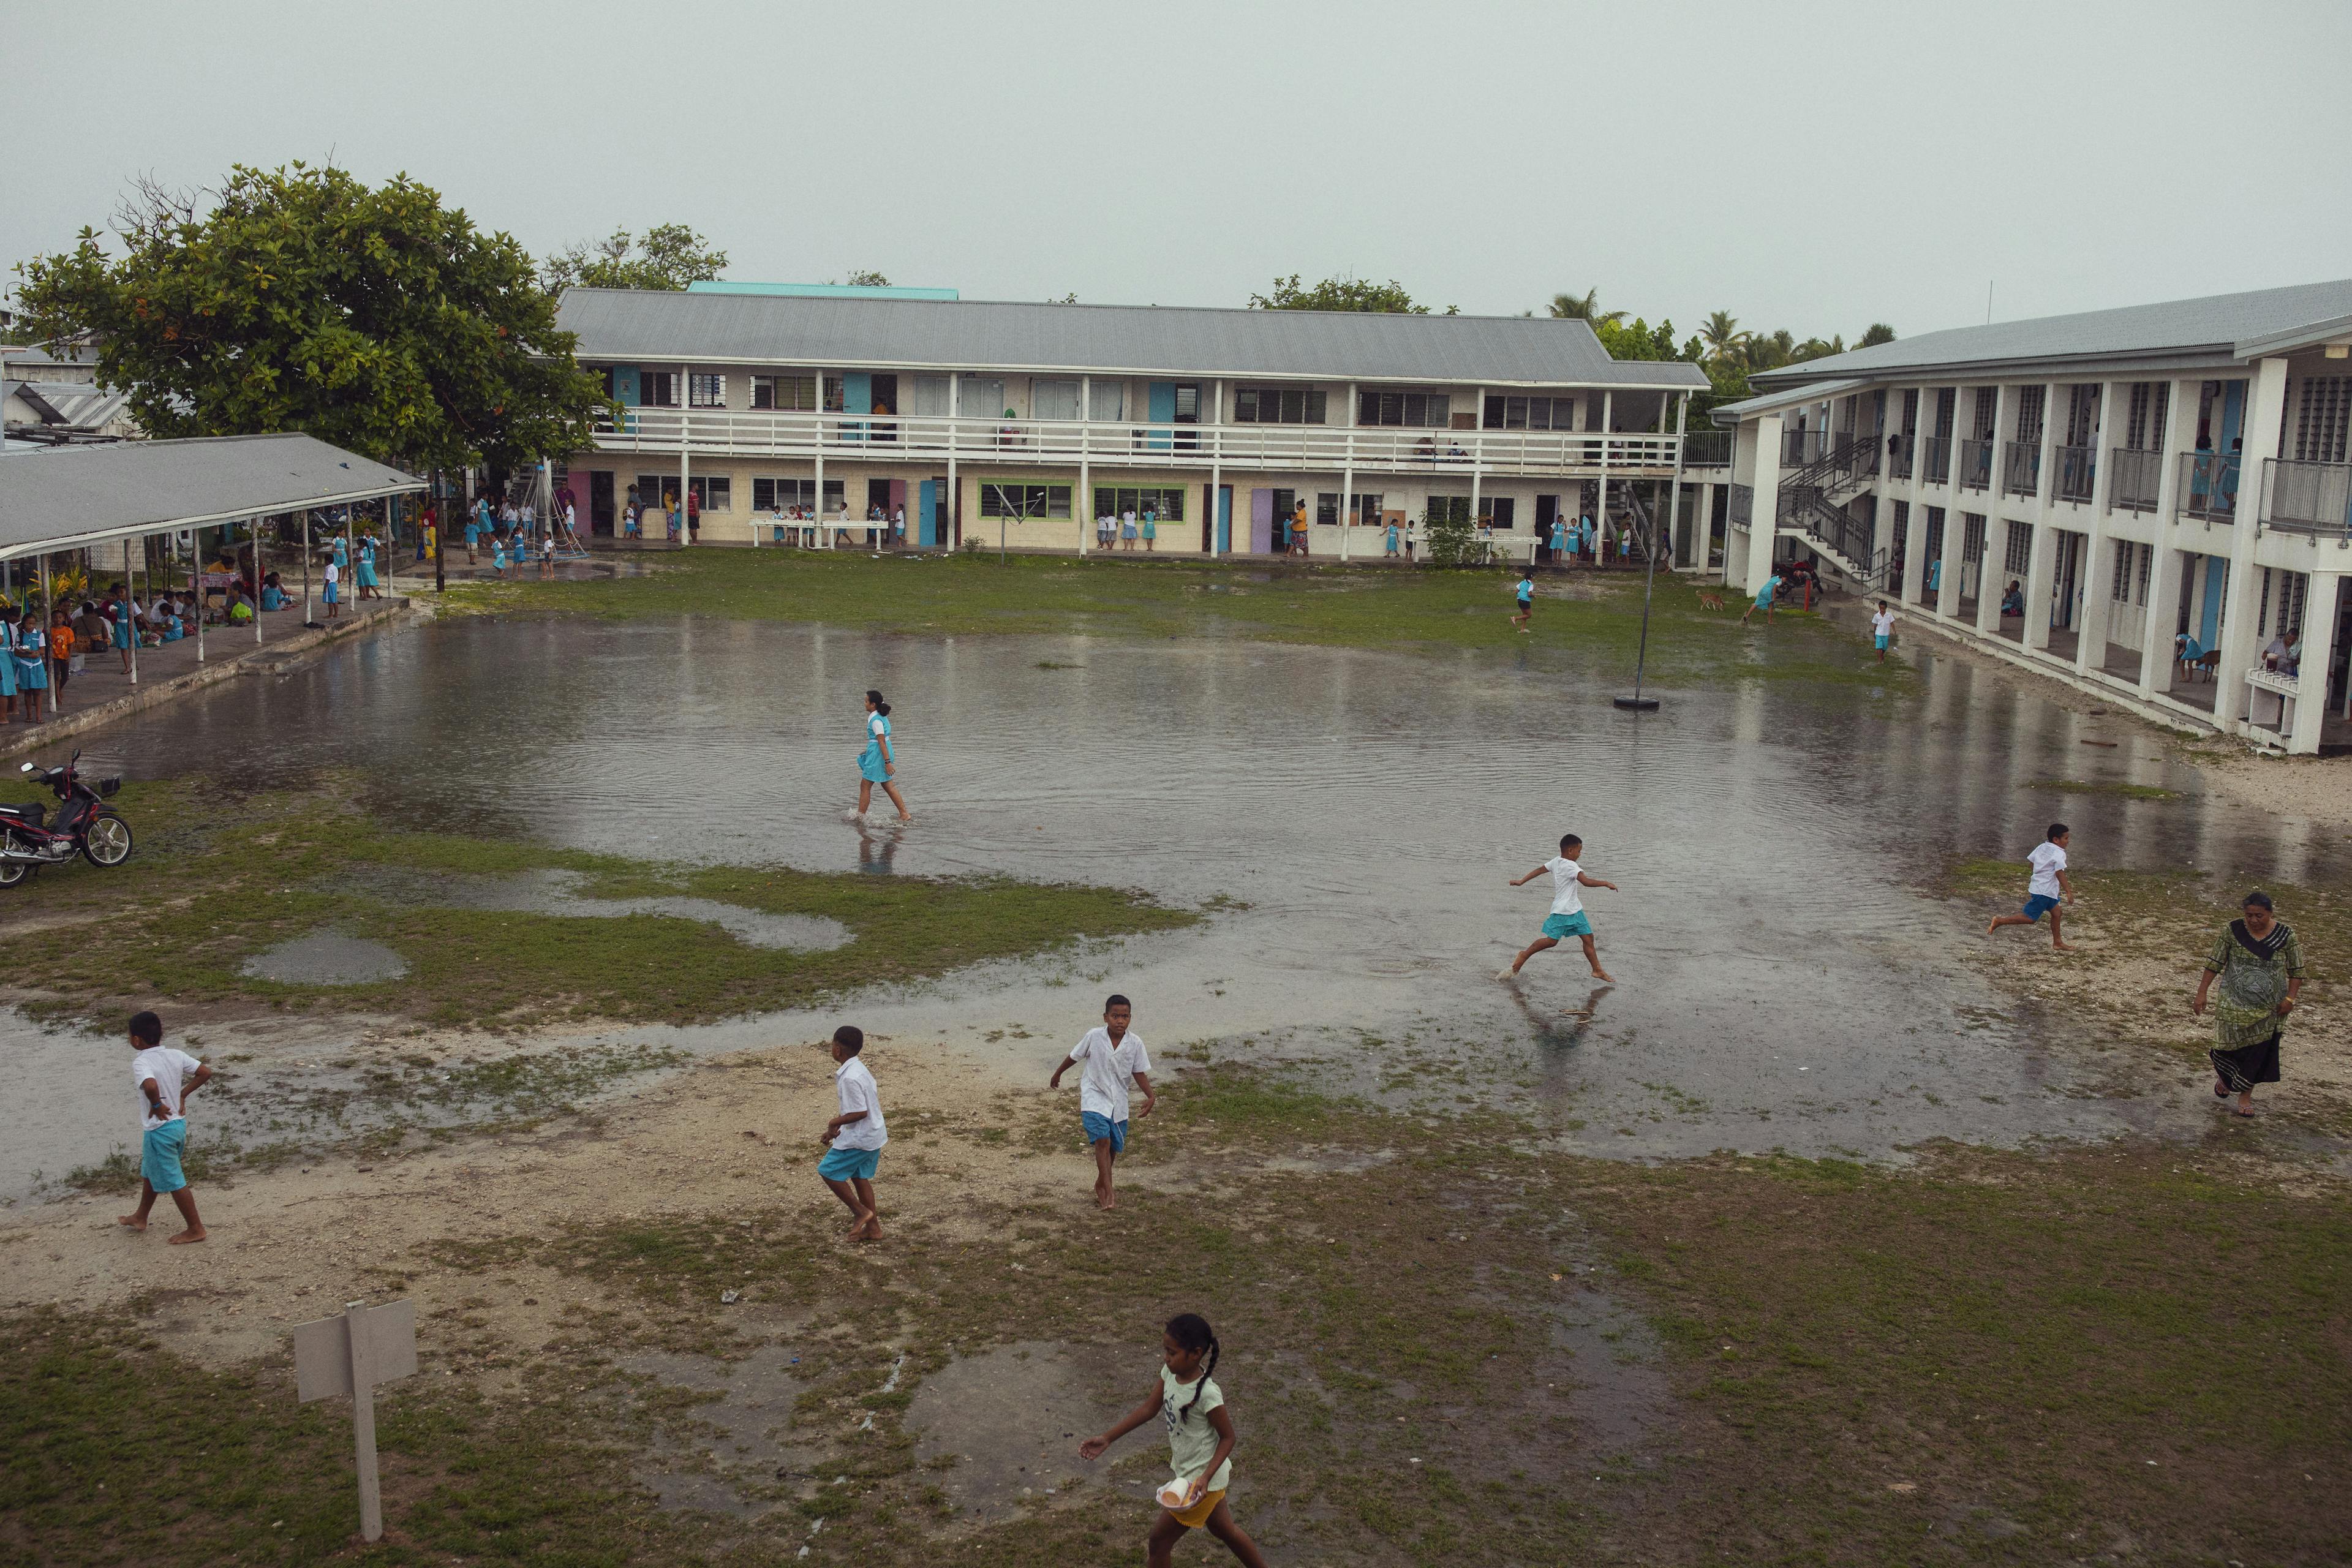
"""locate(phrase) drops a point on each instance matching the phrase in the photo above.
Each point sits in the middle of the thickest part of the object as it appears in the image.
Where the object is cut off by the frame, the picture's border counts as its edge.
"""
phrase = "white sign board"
(349, 1355)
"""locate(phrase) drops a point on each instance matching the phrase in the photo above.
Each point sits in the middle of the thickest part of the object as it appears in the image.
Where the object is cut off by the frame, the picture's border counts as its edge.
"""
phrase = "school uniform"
(856, 1152)
(870, 766)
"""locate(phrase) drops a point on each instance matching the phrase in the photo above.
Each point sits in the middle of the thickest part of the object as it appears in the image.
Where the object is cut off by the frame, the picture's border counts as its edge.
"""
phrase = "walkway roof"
(660, 328)
(65, 498)
(2225, 327)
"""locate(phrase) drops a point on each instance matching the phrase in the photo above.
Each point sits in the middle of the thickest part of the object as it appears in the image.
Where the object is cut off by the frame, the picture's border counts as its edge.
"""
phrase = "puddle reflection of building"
(877, 848)
(1558, 1034)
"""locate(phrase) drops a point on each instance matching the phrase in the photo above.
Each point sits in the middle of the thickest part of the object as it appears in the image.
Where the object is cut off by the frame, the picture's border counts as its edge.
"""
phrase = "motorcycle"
(30, 838)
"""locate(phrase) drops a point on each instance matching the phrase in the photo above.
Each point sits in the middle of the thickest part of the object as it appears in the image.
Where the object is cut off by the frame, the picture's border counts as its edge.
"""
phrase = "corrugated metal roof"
(658, 328)
(63, 497)
(79, 405)
(1786, 397)
(2227, 324)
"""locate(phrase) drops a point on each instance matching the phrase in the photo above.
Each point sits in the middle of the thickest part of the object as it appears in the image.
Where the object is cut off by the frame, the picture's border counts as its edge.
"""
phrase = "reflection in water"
(1787, 978)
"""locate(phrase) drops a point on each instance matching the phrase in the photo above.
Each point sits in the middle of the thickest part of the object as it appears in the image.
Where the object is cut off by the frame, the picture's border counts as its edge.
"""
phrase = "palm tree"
(1768, 353)
(1721, 333)
(1568, 307)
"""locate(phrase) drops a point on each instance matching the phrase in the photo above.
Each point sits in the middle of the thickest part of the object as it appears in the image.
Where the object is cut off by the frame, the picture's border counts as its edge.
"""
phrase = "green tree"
(1879, 332)
(669, 257)
(373, 318)
(860, 277)
(1722, 333)
(1570, 307)
(1342, 294)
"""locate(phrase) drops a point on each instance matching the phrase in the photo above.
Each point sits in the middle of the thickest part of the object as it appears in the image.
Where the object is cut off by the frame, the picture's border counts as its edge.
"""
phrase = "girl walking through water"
(878, 762)
(1200, 1443)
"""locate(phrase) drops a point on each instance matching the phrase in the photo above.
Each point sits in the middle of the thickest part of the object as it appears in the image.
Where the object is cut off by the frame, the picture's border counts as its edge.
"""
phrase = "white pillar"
(1675, 485)
(1992, 565)
(2321, 616)
(2091, 631)
(1216, 460)
(2041, 577)
(255, 524)
(1347, 477)
(1763, 504)
(1084, 511)
(2258, 435)
(123, 608)
(955, 490)
(2164, 585)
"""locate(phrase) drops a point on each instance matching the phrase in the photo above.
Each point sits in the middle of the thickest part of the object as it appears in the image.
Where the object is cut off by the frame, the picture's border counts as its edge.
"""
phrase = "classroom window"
(1107, 399)
(2017, 556)
(784, 394)
(1447, 508)
(2120, 591)
(1414, 410)
(1506, 413)
(706, 391)
(1019, 501)
(658, 388)
(1972, 536)
(1168, 504)
(1053, 399)
(836, 397)
(2147, 565)
(1278, 405)
(1327, 507)
(1501, 510)
(779, 495)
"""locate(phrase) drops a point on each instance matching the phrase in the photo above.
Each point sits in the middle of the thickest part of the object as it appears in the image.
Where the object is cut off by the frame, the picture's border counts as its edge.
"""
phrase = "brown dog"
(1708, 600)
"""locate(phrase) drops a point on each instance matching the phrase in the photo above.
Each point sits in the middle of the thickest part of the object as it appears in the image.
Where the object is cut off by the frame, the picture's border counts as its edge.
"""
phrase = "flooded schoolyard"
(1788, 973)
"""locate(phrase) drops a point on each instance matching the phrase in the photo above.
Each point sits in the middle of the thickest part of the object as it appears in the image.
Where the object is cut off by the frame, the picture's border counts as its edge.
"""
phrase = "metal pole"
(129, 597)
(46, 607)
(1637, 702)
(306, 566)
(255, 524)
(196, 580)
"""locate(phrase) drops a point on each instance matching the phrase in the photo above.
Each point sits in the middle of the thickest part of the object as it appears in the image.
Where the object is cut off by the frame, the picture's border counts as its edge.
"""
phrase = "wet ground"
(1784, 980)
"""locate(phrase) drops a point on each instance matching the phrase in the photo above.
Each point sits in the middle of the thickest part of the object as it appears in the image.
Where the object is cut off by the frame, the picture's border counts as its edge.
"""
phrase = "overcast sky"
(1817, 166)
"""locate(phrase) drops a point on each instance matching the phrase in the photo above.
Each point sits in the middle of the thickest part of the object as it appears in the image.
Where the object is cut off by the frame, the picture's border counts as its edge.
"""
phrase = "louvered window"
(2321, 415)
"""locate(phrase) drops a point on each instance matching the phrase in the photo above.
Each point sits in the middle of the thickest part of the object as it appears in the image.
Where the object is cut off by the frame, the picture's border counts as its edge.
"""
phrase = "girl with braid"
(1200, 1442)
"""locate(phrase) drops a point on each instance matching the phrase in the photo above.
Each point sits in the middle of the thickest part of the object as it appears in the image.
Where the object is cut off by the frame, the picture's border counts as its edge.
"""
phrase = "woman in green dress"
(2259, 961)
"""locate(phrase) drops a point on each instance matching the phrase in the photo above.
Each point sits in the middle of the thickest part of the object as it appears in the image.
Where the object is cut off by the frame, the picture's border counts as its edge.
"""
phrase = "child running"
(1112, 1055)
(1526, 592)
(877, 764)
(1567, 917)
(1882, 629)
(1200, 1444)
(2045, 889)
(165, 1077)
(854, 1138)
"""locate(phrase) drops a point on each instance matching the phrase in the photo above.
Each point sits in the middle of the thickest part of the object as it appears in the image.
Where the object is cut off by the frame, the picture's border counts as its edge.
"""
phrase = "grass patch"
(2112, 790)
(265, 868)
(1596, 619)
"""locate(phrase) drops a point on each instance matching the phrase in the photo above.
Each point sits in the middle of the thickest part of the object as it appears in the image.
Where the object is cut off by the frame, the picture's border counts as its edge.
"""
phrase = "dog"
(1709, 600)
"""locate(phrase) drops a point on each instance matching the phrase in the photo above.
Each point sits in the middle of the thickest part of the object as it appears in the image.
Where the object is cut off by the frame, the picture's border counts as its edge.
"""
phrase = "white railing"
(894, 437)
(2307, 498)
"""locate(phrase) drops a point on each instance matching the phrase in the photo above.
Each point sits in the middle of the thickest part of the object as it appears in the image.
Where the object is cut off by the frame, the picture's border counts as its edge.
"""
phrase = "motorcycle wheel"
(12, 872)
(107, 840)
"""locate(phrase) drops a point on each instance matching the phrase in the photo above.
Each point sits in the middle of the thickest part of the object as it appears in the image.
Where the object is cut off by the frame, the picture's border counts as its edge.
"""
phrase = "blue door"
(1224, 519)
(1161, 412)
(625, 391)
(927, 516)
(2211, 626)
(856, 397)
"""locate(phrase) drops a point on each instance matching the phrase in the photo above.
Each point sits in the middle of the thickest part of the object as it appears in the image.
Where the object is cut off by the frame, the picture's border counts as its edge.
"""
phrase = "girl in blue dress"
(498, 554)
(31, 656)
(367, 587)
(7, 662)
(878, 762)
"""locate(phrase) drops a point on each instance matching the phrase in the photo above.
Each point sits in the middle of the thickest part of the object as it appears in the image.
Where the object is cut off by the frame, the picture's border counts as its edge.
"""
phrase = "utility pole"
(440, 533)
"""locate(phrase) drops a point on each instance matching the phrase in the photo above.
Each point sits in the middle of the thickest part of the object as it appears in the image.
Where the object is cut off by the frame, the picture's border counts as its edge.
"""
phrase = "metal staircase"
(1838, 534)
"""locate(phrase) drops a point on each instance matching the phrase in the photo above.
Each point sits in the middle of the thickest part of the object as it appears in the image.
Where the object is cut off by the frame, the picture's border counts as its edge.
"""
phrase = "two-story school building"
(1026, 421)
(2153, 503)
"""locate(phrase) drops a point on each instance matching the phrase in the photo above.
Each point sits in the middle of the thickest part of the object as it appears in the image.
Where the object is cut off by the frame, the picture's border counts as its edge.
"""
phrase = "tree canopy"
(1727, 352)
(670, 256)
(372, 318)
(1342, 294)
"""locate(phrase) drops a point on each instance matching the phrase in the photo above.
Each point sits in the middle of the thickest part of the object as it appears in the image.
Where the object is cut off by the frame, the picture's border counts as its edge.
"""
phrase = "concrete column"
(1914, 567)
(2321, 617)
(2099, 555)
(2164, 582)
(2045, 483)
(1348, 475)
(2041, 579)
(1947, 580)
(1084, 510)
(2258, 435)
(1764, 509)
(1991, 563)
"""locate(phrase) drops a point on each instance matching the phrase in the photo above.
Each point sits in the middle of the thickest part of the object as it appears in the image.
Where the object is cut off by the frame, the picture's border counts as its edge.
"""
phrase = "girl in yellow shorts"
(1200, 1442)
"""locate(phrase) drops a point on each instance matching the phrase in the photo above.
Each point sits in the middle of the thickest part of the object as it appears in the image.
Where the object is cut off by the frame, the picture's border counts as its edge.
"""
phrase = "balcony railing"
(2078, 470)
(1742, 509)
(1799, 448)
(1975, 463)
(1898, 457)
(2307, 498)
(2208, 486)
(2137, 478)
(2021, 468)
(1708, 449)
(1935, 459)
(899, 438)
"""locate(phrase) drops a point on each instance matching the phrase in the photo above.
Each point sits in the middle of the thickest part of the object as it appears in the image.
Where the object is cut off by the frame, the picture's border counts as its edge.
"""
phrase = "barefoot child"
(1112, 1055)
(1882, 629)
(855, 1137)
(878, 762)
(1763, 600)
(1200, 1443)
(1526, 592)
(2045, 889)
(1567, 917)
(165, 1082)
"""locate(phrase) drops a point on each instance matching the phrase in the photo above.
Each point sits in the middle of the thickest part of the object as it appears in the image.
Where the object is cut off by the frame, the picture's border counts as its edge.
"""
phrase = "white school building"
(1025, 422)
(2153, 503)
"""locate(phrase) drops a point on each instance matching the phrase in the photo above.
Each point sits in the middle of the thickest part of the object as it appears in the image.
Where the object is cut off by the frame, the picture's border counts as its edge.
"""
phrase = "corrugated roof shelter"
(67, 498)
(2225, 326)
(655, 326)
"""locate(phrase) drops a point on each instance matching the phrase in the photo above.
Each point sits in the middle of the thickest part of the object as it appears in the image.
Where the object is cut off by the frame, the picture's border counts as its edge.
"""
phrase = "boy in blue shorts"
(1882, 629)
(854, 1137)
(1567, 917)
(2045, 889)
(1113, 1055)
(165, 1077)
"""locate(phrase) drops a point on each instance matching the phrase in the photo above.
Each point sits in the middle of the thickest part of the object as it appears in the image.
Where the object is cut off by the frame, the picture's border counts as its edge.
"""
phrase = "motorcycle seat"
(30, 814)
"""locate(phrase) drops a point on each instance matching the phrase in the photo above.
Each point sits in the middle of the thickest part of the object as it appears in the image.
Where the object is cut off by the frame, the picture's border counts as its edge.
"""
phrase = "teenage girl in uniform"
(877, 762)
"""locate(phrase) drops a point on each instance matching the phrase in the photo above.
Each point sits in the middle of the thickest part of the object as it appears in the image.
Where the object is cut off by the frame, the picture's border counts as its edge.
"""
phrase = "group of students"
(1126, 528)
(508, 531)
(677, 520)
(38, 650)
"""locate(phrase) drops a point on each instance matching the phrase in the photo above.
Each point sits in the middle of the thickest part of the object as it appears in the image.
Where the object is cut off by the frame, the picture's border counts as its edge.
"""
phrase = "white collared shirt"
(854, 1086)
(1105, 1071)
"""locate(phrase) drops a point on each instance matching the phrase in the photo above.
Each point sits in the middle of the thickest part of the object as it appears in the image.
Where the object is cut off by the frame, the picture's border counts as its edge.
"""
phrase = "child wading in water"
(1200, 1444)
(2045, 889)
(854, 1138)
(164, 1079)
(876, 764)
(1112, 1055)
(1567, 917)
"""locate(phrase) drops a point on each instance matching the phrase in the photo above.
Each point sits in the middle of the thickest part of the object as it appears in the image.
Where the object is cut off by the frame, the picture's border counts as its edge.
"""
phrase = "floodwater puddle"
(556, 893)
(728, 1451)
(327, 958)
(1006, 1423)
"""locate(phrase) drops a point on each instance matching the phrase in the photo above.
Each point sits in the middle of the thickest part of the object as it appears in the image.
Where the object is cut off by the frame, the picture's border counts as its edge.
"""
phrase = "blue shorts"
(1882, 644)
(1558, 926)
(2037, 906)
(1100, 1128)
(159, 1156)
(844, 1165)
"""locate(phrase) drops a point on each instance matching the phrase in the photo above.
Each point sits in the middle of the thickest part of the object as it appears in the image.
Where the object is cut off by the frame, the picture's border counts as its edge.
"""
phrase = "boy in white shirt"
(1567, 917)
(2045, 889)
(854, 1137)
(1882, 629)
(165, 1077)
(1112, 1055)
